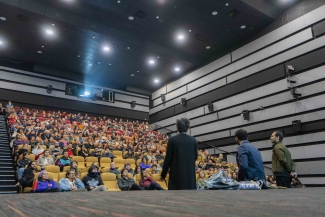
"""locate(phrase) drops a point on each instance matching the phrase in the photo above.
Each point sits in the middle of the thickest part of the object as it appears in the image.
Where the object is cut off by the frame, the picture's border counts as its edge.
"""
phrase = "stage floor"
(290, 202)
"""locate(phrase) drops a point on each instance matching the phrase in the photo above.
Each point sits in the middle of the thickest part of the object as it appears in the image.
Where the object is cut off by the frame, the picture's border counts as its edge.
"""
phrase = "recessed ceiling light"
(110, 64)
(90, 64)
(1, 42)
(208, 47)
(176, 69)
(3, 18)
(39, 51)
(78, 55)
(106, 48)
(132, 75)
(190, 30)
(42, 46)
(53, 24)
(180, 37)
(158, 57)
(214, 13)
(50, 32)
(137, 71)
(131, 18)
(118, 1)
(151, 62)
(128, 48)
(156, 80)
(243, 27)
(157, 17)
(227, 4)
(94, 36)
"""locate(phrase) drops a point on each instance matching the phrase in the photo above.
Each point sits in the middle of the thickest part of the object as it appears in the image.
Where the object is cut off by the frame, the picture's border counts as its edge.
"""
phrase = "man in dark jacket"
(92, 181)
(180, 159)
(249, 159)
(28, 175)
(283, 166)
(127, 184)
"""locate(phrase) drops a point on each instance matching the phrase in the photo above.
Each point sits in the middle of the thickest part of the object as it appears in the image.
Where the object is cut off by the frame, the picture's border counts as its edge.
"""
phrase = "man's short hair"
(68, 172)
(122, 171)
(25, 153)
(127, 164)
(91, 168)
(241, 134)
(279, 134)
(182, 124)
(153, 165)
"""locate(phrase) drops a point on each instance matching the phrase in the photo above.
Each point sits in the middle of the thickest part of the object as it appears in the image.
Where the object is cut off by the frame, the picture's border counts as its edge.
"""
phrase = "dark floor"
(290, 202)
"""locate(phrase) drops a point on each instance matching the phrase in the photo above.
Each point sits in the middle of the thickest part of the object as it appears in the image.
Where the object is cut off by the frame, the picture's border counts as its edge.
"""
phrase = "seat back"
(52, 169)
(91, 160)
(105, 162)
(80, 160)
(82, 175)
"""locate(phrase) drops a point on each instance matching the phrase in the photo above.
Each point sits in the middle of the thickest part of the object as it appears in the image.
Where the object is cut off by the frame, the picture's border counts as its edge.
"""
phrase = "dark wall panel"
(319, 29)
(40, 100)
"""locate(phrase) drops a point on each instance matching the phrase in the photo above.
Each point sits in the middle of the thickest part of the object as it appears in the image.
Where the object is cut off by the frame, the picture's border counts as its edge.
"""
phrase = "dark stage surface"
(290, 202)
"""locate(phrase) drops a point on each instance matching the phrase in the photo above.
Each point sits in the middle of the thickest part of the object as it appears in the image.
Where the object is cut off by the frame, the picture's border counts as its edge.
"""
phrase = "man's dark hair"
(127, 164)
(123, 171)
(279, 134)
(65, 152)
(241, 134)
(91, 168)
(68, 172)
(182, 124)
(154, 165)
(25, 153)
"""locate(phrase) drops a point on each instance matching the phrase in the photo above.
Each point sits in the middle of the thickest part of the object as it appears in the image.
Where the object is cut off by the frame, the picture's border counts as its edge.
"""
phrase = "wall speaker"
(49, 88)
(245, 114)
(210, 106)
(133, 103)
(183, 101)
(163, 97)
(296, 126)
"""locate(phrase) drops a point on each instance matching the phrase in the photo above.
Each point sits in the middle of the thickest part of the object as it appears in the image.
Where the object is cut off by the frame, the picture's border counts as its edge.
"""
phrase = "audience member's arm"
(121, 185)
(84, 181)
(64, 185)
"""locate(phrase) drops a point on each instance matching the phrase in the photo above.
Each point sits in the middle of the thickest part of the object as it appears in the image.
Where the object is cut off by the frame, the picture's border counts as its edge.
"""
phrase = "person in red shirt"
(147, 183)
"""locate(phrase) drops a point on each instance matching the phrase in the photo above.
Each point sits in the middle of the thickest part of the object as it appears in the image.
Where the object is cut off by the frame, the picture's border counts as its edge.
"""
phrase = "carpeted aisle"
(290, 202)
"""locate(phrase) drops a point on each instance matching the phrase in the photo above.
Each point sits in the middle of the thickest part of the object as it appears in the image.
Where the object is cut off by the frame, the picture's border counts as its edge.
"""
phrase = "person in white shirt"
(38, 149)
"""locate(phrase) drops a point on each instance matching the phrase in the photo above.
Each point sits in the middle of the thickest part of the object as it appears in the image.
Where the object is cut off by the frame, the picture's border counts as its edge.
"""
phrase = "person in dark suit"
(249, 159)
(180, 159)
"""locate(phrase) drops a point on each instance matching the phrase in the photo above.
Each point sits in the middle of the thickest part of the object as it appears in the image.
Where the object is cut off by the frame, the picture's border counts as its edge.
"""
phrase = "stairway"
(7, 172)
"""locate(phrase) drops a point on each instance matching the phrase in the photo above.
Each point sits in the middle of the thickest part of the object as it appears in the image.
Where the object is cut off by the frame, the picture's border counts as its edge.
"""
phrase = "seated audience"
(56, 150)
(83, 152)
(74, 167)
(23, 149)
(209, 165)
(45, 160)
(113, 169)
(108, 153)
(38, 150)
(234, 176)
(125, 183)
(63, 161)
(129, 169)
(154, 169)
(28, 175)
(159, 156)
(201, 181)
(147, 183)
(154, 162)
(93, 181)
(71, 182)
(201, 165)
(144, 164)
(45, 184)
(211, 173)
(129, 155)
(21, 164)
(96, 153)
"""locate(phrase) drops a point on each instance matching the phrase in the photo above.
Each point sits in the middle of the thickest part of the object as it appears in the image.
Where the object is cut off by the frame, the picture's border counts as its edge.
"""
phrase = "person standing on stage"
(180, 159)
(283, 167)
(249, 159)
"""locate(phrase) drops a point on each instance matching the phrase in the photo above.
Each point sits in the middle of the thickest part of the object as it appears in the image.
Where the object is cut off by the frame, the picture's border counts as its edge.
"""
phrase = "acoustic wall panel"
(312, 180)
(199, 73)
(127, 98)
(319, 29)
(213, 136)
(157, 93)
(171, 95)
(310, 167)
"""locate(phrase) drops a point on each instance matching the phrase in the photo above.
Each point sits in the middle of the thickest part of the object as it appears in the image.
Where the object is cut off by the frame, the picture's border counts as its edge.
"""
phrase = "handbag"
(250, 185)
(219, 181)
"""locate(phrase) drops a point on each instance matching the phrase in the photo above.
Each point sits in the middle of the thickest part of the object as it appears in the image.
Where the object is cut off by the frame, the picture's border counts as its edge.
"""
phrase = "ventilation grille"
(22, 18)
(200, 38)
(234, 13)
(141, 14)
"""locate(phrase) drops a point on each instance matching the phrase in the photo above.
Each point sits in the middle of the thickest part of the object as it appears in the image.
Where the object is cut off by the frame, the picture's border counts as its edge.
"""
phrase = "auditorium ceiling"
(120, 43)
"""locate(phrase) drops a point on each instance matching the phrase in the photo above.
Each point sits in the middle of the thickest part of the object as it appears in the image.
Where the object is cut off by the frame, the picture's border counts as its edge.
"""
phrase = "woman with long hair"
(74, 166)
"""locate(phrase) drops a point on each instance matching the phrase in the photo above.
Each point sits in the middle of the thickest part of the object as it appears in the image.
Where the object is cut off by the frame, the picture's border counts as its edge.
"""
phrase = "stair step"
(7, 177)
(6, 188)
(7, 173)
(8, 182)
(8, 192)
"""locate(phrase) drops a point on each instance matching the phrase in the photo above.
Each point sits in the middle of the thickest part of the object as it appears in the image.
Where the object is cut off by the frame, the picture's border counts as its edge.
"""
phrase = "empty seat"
(91, 160)
(80, 160)
(109, 180)
(156, 178)
(52, 169)
(105, 162)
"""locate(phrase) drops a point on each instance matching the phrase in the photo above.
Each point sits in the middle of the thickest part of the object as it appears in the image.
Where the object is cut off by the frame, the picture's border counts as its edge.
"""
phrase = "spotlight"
(245, 114)
(177, 69)
(214, 13)
(208, 47)
(131, 18)
(180, 37)
(50, 32)
(151, 62)
(243, 27)
(49, 89)
(163, 97)
(296, 126)
(106, 48)
(210, 106)
(156, 81)
(87, 93)
(133, 103)
(183, 101)
(1, 42)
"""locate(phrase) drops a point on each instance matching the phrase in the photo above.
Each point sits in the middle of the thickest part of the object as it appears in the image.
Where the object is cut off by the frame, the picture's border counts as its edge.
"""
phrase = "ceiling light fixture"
(180, 37)
(156, 80)
(132, 75)
(243, 27)
(137, 71)
(42, 46)
(94, 36)
(90, 64)
(106, 48)
(157, 17)
(177, 69)
(190, 30)
(3, 18)
(78, 55)
(158, 57)
(50, 32)
(227, 4)
(208, 47)
(39, 51)
(214, 13)
(131, 18)
(119, 1)
(151, 62)
(53, 24)
(1, 42)
(128, 48)
(110, 64)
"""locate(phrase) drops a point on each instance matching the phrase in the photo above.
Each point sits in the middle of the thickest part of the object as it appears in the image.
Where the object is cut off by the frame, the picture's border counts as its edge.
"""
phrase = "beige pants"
(100, 188)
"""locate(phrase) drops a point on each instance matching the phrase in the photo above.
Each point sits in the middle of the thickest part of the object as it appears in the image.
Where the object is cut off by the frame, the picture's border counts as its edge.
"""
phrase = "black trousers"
(283, 181)
(154, 186)
(133, 187)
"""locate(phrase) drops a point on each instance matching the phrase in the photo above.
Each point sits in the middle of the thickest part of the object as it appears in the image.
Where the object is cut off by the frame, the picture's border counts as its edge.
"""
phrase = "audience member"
(45, 184)
(83, 152)
(38, 150)
(45, 160)
(28, 175)
(127, 184)
(21, 164)
(93, 181)
(144, 164)
(63, 161)
(201, 181)
(129, 169)
(74, 167)
(113, 169)
(71, 182)
(147, 183)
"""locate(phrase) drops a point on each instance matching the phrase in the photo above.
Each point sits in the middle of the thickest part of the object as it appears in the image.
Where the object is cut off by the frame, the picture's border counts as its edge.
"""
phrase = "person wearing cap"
(45, 184)
(249, 159)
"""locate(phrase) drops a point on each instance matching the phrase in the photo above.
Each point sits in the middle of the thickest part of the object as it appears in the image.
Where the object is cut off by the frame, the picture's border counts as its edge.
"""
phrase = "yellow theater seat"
(109, 180)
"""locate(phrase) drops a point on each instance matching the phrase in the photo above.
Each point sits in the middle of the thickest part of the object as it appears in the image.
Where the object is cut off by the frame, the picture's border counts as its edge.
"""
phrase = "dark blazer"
(180, 159)
(250, 163)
